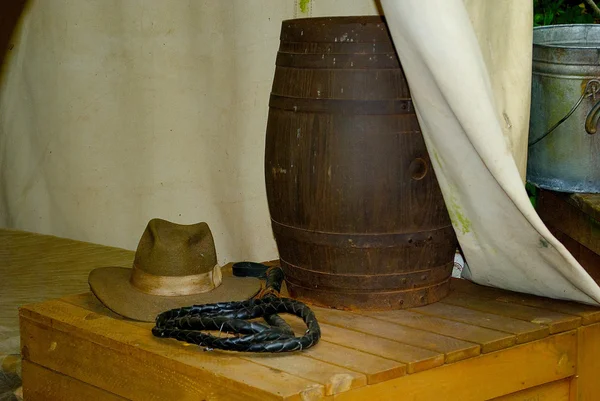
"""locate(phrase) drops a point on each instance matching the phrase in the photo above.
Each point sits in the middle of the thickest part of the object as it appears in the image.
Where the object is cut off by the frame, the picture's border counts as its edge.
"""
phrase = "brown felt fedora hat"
(175, 266)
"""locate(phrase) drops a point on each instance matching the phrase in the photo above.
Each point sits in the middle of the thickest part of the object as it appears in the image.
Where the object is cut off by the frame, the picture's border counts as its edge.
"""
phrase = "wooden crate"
(477, 344)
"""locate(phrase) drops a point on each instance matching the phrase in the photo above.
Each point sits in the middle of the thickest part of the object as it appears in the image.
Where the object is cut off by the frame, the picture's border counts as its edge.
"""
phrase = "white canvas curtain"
(113, 112)
(468, 64)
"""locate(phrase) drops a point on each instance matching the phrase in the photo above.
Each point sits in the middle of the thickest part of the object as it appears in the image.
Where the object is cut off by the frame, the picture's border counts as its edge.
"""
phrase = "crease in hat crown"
(175, 259)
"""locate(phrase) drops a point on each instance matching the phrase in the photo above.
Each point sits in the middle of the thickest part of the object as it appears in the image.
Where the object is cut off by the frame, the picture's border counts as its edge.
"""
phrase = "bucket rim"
(555, 27)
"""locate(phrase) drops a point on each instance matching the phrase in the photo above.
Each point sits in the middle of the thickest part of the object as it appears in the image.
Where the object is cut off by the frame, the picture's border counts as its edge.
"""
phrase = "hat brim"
(112, 287)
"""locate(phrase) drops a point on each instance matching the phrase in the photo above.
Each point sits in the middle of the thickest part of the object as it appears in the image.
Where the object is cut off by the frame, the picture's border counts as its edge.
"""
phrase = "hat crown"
(170, 249)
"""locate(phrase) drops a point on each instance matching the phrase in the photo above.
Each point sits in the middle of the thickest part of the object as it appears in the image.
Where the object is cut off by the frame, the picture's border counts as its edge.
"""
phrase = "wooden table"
(477, 344)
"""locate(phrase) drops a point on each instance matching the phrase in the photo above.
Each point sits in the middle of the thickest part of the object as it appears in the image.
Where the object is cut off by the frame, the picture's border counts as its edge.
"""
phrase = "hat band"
(176, 285)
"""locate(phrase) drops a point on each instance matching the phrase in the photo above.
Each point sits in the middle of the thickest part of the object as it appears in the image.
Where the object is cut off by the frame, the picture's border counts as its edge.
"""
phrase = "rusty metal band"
(370, 292)
(336, 47)
(342, 106)
(339, 61)
(376, 282)
(374, 240)
(369, 299)
(176, 285)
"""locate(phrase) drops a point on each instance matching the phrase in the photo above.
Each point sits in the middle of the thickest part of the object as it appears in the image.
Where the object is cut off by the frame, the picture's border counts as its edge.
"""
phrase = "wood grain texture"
(369, 355)
(356, 209)
(588, 314)
(375, 368)
(587, 203)
(483, 377)
(489, 340)
(555, 391)
(453, 349)
(557, 322)
(575, 221)
(38, 267)
(416, 359)
(48, 385)
(127, 376)
(588, 259)
(524, 331)
(54, 329)
(334, 379)
(588, 363)
(578, 222)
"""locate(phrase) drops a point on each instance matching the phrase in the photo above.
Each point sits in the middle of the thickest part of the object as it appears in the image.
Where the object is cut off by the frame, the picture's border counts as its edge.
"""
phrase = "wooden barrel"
(356, 210)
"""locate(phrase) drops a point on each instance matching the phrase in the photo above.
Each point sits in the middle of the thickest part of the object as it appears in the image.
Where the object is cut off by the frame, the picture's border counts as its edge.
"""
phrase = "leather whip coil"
(185, 324)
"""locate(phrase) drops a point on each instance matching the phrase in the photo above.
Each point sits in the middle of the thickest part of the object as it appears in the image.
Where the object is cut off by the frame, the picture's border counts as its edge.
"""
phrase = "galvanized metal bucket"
(564, 149)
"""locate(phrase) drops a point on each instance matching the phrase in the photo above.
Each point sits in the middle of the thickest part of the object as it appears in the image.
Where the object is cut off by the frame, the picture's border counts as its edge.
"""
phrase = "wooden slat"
(122, 346)
(407, 358)
(555, 391)
(334, 379)
(484, 377)
(48, 385)
(120, 373)
(587, 313)
(371, 369)
(588, 363)
(453, 349)
(524, 331)
(416, 359)
(489, 340)
(556, 322)
(375, 368)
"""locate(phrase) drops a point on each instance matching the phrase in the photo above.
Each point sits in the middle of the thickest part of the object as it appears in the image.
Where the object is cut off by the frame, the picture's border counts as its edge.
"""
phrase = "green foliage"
(532, 193)
(554, 12)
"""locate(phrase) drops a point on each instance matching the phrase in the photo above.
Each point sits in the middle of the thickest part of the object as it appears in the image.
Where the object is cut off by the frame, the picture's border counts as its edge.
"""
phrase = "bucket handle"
(591, 121)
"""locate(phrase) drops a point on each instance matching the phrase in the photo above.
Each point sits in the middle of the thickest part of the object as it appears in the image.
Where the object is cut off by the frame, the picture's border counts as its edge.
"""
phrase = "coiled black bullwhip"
(186, 324)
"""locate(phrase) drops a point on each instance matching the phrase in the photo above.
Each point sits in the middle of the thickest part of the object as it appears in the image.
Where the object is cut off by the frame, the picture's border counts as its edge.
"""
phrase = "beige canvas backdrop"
(113, 112)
